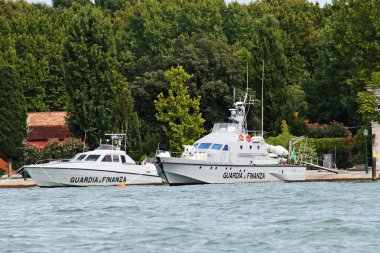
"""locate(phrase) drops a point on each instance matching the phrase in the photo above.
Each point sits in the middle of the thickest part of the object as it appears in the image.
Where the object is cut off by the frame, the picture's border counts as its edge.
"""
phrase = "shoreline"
(311, 176)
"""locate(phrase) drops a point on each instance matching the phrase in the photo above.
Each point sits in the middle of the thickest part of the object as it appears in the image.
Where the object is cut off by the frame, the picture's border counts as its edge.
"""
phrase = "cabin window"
(123, 159)
(225, 148)
(80, 158)
(216, 146)
(204, 146)
(116, 158)
(92, 158)
(107, 158)
(196, 145)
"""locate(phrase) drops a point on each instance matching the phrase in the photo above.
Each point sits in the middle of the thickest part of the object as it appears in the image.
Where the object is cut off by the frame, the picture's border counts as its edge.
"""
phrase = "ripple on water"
(300, 217)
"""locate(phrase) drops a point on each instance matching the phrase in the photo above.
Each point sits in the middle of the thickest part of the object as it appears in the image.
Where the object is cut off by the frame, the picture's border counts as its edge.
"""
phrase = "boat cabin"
(104, 153)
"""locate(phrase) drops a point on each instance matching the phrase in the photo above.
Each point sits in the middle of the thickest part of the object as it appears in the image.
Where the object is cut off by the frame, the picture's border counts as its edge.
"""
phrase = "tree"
(97, 94)
(12, 112)
(183, 122)
(348, 53)
(369, 103)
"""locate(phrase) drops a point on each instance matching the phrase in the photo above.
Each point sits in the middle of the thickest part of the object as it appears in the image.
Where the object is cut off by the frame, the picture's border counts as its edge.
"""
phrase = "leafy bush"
(347, 151)
(341, 147)
(2, 172)
(53, 150)
(333, 130)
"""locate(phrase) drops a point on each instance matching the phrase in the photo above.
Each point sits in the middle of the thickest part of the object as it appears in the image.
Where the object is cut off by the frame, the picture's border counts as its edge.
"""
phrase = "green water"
(268, 217)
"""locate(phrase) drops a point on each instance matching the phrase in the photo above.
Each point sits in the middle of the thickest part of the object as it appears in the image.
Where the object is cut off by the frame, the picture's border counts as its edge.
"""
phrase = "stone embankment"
(311, 176)
(16, 182)
(320, 176)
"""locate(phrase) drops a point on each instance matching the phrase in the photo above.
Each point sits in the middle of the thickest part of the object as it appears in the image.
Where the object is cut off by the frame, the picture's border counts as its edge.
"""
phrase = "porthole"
(200, 167)
(241, 146)
(250, 147)
(258, 147)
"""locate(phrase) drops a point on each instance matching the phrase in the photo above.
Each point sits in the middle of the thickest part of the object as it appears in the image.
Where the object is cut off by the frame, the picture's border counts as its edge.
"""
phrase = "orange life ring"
(248, 138)
(241, 137)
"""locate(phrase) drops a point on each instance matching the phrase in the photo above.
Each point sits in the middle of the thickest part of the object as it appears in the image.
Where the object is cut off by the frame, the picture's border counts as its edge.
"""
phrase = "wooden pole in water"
(374, 166)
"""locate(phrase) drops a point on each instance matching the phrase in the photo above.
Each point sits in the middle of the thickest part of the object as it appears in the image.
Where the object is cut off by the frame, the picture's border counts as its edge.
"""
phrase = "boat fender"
(241, 137)
(248, 138)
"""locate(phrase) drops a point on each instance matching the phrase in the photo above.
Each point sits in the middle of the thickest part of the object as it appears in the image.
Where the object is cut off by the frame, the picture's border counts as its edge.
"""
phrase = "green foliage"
(339, 147)
(348, 52)
(2, 172)
(281, 139)
(368, 102)
(318, 60)
(12, 112)
(99, 99)
(53, 150)
(333, 130)
(69, 3)
(183, 122)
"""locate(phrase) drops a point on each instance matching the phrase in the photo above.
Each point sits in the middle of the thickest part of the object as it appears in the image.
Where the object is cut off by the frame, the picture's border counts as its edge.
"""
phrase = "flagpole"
(262, 103)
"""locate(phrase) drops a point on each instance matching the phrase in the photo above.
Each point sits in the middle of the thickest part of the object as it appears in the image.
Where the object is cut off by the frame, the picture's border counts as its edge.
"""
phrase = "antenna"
(126, 136)
(262, 102)
(84, 141)
(247, 77)
(234, 95)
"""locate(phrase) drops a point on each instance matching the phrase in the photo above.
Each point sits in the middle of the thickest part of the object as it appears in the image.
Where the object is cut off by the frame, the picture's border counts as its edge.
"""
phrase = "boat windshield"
(204, 146)
(104, 147)
(216, 146)
(92, 158)
(80, 158)
(225, 127)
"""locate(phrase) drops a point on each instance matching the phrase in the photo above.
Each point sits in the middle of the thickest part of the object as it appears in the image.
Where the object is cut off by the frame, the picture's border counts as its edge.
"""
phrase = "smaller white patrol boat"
(105, 166)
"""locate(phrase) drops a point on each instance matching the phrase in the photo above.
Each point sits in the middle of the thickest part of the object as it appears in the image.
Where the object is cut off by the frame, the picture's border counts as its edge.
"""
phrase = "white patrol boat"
(105, 166)
(229, 155)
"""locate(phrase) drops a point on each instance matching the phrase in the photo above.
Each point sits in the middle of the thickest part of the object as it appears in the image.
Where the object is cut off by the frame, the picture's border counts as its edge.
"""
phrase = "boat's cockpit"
(225, 127)
(211, 146)
(106, 158)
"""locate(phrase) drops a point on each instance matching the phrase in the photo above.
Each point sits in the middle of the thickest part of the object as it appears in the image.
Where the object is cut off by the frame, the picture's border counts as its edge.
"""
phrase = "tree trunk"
(9, 167)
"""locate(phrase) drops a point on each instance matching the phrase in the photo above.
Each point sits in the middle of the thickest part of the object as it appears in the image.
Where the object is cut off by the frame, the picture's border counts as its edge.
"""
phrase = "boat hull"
(65, 177)
(177, 171)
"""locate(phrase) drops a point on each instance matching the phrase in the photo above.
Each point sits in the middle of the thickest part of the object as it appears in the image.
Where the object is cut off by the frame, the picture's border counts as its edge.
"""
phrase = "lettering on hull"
(97, 180)
(240, 175)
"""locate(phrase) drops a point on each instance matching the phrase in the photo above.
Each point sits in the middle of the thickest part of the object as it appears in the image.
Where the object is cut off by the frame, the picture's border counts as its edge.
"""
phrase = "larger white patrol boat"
(229, 155)
(105, 166)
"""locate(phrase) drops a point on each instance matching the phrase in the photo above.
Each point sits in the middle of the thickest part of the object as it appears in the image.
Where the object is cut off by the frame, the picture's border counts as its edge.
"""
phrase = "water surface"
(267, 217)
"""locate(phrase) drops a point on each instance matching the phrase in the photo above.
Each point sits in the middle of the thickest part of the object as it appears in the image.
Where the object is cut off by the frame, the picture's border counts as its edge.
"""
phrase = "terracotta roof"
(48, 132)
(47, 125)
(46, 119)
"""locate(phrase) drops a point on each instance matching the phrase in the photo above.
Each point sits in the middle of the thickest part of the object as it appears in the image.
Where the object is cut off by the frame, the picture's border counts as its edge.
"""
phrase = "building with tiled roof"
(42, 128)
(46, 126)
